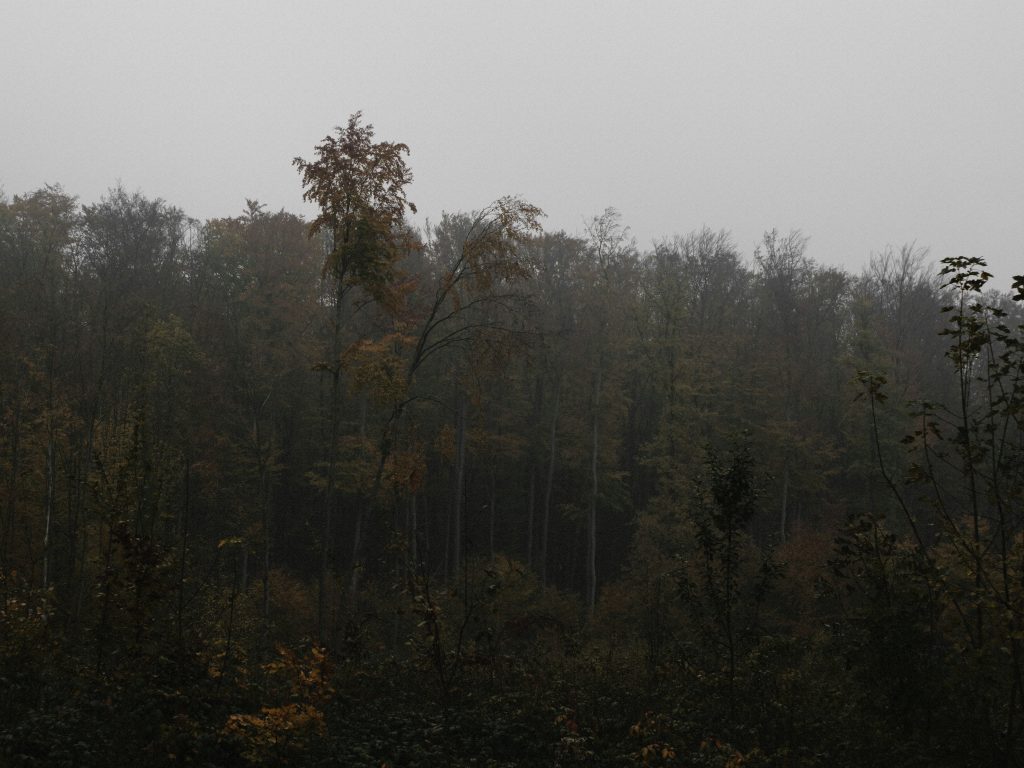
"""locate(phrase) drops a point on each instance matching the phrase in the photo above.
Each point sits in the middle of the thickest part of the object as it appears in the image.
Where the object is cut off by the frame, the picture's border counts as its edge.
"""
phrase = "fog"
(864, 125)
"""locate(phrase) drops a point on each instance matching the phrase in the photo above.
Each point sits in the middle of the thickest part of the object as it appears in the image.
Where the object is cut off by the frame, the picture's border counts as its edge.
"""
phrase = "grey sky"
(861, 123)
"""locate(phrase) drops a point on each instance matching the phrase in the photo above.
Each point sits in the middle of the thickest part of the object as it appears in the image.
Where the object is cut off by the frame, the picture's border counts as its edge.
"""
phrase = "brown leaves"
(359, 186)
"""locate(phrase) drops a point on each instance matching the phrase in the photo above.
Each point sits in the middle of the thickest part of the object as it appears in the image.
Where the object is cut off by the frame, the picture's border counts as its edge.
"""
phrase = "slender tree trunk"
(266, 562)
(424, 551)
(12, 484)
(530, 504)
(592, 514)
(357, 566)
(104, 625)
(50, 487)
(546, 519)
(334, 418)
(784, 512)
(491, 510)
(179, 618)
(413, 532)
(730, 558)
(76, 561)
(231, 621)
(325, 548)
(460, 479)
(447, 570)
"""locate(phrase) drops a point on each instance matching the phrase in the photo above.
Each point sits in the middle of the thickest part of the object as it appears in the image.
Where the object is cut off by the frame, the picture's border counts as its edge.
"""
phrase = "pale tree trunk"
(784, 512)
(50, 488)
(357, 535)
(447, 569)
(264, 457)
(334, 417)
(184, 519)
(357, 566)
(491, 510)
(12, 484)
(79, 542)
(592, 515)
(546, 520)
(460, 478)
(529, 515)
(267, 517)
(413, 532)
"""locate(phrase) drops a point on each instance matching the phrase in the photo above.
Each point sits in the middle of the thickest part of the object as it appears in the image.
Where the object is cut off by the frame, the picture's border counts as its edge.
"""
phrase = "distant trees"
(36, 255)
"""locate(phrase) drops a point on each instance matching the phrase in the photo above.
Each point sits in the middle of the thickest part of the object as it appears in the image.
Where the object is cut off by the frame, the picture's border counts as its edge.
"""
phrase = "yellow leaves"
(290, 724)
(295, 722)
(651, 728)
(657, 752)
(309, 675)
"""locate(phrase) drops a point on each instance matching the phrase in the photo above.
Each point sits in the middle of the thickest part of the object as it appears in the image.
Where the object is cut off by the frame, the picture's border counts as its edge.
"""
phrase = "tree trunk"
(546, 521)
(266, 562)
(12, 484)
(592, 516)
(491, 511)
(334, 417)
(460, 477)
(784, 512)
(50, 486)
(530, 503)
(179, 617)
(357, 566)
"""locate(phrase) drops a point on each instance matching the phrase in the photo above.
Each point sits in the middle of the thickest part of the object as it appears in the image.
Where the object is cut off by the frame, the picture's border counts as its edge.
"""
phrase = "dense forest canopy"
(348, 492)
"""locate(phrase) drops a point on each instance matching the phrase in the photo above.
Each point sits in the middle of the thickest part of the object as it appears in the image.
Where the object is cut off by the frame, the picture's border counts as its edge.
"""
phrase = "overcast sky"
(864, 124)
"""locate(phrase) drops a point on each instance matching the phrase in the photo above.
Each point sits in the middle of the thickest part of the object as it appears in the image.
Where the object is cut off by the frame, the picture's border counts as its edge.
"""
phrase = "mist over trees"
(348, 492)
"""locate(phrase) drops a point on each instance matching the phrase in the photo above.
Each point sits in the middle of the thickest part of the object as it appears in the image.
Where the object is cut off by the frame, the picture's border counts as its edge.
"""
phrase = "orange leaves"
(293, 724)
(308, 675)
(287, 725)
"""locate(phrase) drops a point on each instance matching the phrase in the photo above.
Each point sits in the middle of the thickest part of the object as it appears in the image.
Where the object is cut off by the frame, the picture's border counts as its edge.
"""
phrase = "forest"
(344, 491)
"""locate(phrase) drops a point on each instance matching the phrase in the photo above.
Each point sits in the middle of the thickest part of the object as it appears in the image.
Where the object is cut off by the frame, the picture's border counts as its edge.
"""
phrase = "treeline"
(345, 492)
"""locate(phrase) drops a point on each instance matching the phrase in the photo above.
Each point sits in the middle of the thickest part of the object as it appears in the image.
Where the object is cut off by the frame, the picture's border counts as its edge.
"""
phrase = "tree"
(36, 323)
(469, 312)
(559, 260)
(265, 289)
(801, 325)
(963, 535)
(612, 273)
(359, 186)
(722, 596)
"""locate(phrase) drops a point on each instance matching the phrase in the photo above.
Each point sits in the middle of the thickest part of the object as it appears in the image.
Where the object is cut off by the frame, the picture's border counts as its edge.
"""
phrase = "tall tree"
(470, 312)
(359, 185)
(611, 274)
